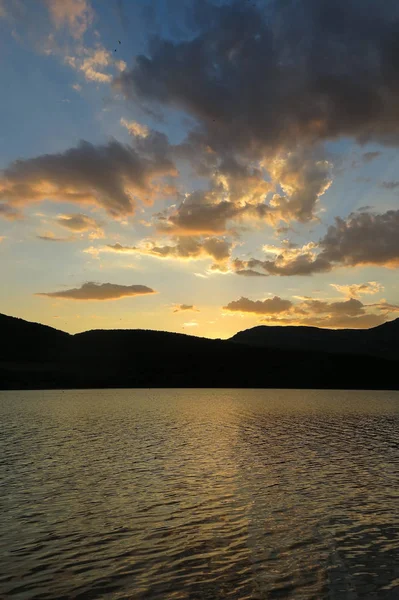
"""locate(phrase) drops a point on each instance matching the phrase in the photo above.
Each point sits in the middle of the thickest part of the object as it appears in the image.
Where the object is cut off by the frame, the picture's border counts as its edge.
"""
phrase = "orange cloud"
(135, 129)
(315, 313)
(361, 239)
(113, 176)
(183, 248)
(77, 15)
(359, 289)
(95, 64)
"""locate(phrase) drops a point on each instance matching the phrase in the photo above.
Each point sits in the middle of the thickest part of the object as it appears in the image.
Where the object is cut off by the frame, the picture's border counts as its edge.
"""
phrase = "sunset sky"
(199, 166)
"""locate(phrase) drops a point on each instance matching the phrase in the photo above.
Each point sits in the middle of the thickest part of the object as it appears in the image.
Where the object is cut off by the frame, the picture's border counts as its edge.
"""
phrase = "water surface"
(199, 494)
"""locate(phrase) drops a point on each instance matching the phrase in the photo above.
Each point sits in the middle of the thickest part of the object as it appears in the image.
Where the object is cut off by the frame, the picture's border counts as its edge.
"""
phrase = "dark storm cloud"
(100, 291)
(267, 76)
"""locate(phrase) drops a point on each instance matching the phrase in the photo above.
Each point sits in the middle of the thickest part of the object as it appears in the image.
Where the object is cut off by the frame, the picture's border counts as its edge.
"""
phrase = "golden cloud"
(311, 312)
(359, 289)
(183, 248)
(113, 176)
(361, 239)
(135, 129)
(77, 15)
(94, 63)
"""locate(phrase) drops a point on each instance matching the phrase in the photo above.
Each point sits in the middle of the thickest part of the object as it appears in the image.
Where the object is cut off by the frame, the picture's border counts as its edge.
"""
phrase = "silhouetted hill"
(23, 340)
(35, 356)
(381, 341)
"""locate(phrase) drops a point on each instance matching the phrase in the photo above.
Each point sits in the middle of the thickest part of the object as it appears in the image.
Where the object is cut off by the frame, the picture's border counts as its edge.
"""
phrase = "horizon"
(199, 169)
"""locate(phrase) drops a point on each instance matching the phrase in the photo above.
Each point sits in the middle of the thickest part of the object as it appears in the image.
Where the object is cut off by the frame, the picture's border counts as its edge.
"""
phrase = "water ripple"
(199, 494)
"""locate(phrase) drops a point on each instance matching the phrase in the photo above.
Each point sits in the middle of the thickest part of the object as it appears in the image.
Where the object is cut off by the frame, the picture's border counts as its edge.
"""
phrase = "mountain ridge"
(37, 356)
(378, 341)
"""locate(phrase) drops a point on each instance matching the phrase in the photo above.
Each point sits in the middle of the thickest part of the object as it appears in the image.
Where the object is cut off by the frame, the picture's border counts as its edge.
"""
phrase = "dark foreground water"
(193, 494)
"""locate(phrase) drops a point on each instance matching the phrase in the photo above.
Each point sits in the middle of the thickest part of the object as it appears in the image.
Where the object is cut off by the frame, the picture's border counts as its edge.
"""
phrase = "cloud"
(262, 81)
(252, 66)
(134, 128)
(359, 289)
(197, 214)
(270, 306)
(239, 192)
(285, 262)
(304, 177)
(9, 212)
(361, 239)
(60, 32)
(266, 85)
(331, 321)
(367, 157)
(117, 248)
(113, 176)
(51, 237)
(96, 64)
(185, 248)
(185, 307)
(247, 272)
(350, 313)
(76, 15)
(348, 308)
(385, 306)
(390, 185)
(100, 291)
(78, 222)
(209, 213)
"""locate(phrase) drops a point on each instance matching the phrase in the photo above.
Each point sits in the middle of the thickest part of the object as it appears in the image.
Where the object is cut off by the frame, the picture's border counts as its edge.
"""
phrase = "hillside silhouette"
(35, 356)
(379, 341)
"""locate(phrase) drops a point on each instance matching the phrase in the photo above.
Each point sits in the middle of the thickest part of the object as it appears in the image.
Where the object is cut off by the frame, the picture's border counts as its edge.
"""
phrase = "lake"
(199, 494)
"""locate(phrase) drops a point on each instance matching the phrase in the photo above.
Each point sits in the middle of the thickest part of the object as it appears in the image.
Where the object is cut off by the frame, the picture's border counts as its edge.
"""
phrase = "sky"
(199, 166)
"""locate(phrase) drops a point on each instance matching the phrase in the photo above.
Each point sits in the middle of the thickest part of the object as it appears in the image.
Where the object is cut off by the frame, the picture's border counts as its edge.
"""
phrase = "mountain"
(34, 356)
(381, 341)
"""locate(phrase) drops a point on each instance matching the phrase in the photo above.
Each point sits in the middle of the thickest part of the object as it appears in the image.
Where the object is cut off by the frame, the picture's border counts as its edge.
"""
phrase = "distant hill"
(34, 356)
(381, 341)
(23, 340)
